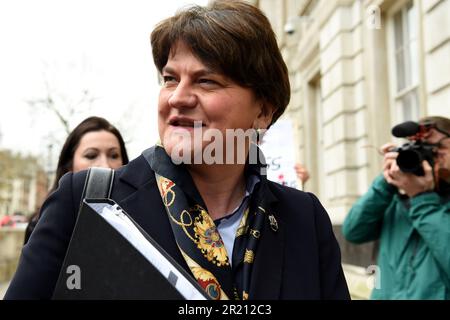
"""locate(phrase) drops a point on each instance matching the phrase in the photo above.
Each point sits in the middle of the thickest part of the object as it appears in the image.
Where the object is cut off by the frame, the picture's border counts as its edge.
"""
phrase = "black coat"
(299, 261)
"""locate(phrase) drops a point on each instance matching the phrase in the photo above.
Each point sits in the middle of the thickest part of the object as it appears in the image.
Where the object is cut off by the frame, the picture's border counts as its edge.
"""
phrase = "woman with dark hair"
(202, 193)
(93, 143)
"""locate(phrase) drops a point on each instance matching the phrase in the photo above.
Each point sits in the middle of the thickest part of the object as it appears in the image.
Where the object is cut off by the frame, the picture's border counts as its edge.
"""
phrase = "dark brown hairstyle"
(233, 38)
(65, 162)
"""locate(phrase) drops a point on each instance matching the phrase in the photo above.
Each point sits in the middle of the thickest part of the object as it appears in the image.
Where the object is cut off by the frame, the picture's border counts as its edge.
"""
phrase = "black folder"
(110, 267)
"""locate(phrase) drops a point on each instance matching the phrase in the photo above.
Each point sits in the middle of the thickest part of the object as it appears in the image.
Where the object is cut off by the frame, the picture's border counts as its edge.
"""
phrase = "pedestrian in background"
(410, 215)
(93, 143)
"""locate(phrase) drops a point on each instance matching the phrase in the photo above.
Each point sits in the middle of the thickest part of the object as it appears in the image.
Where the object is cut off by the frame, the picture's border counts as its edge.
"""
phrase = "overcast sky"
(101, 46)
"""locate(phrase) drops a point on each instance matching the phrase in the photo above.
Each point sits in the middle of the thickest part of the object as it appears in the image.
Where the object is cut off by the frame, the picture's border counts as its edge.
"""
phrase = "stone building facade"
(23, 184)
(357, 68)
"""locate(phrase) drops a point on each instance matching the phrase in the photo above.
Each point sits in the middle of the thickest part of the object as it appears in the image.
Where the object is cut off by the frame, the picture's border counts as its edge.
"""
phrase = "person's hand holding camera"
(410, 183)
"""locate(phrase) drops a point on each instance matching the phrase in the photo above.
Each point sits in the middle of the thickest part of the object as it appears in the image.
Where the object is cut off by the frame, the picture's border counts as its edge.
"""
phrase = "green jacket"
(414, 256)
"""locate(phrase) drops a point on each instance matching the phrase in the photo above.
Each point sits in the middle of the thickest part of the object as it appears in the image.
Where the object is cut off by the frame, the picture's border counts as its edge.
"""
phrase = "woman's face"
(193, 92)
(97, 149)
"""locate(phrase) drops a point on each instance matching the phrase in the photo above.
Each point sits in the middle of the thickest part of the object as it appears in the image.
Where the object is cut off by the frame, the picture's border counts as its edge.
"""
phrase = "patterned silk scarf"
(196, 234)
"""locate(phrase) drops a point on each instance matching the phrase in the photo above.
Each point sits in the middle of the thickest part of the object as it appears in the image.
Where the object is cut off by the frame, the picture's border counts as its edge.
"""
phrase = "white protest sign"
(278, 147)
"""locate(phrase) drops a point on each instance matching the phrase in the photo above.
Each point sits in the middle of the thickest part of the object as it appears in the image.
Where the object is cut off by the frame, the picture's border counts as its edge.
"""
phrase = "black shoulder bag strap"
(98, 183)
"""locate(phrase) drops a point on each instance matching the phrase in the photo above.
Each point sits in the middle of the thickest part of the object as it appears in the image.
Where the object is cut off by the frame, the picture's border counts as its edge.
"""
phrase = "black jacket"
(301, 260)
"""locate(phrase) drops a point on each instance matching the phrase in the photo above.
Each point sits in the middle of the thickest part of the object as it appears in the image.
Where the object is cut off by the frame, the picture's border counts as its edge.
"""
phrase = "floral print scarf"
(196, 234)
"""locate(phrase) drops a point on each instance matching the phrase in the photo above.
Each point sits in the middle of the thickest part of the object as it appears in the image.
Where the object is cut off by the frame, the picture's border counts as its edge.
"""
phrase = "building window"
(406, 62)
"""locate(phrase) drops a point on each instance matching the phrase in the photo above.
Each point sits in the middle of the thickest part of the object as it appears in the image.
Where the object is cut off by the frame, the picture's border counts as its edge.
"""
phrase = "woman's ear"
(265, 116)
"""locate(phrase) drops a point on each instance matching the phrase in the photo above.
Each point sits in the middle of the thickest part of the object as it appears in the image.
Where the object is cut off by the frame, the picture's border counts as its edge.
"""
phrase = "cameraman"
(410, 214)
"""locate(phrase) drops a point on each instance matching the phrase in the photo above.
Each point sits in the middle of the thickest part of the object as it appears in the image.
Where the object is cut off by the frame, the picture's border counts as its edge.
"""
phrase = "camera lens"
(410, 161)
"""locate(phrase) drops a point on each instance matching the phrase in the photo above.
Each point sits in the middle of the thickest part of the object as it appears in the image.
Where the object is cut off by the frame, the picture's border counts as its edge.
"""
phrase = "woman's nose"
(182, 97)
(102, 161)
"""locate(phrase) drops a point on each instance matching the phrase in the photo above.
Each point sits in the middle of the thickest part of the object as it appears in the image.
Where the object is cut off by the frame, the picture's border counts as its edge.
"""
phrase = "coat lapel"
(267, 271)
(143, 203)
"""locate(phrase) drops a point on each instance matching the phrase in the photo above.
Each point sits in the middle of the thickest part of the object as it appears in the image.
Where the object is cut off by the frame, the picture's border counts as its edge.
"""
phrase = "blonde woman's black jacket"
(301, 260)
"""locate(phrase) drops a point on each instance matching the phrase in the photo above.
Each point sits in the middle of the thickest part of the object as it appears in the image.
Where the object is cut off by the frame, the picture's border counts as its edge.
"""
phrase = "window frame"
(396, 96)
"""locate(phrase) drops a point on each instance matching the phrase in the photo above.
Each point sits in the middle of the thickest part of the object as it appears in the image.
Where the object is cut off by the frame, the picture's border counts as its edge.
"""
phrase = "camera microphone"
(413, 153)
(405, 129)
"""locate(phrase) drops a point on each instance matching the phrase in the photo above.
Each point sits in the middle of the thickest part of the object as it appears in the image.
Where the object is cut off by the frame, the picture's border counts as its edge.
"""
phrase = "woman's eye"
(168, 79)
(90, 156)
(114, 156)
(207, 81)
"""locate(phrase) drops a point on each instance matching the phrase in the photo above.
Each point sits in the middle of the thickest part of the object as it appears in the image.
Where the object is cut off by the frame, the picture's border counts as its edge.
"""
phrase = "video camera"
(412, 154)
